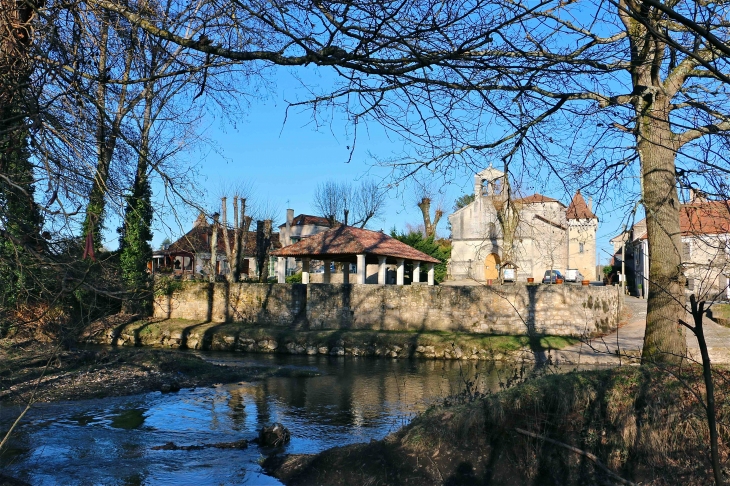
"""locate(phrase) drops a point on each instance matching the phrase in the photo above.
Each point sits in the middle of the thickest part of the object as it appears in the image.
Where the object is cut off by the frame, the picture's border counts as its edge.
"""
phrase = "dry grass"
(645, 424)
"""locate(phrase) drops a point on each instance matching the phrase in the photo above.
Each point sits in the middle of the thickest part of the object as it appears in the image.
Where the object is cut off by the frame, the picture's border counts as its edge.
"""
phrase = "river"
(333, 401)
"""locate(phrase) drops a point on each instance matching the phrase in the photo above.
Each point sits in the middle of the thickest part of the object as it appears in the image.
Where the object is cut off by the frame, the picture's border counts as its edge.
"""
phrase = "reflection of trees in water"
(237, 406)
(358, 392)
(261, 397)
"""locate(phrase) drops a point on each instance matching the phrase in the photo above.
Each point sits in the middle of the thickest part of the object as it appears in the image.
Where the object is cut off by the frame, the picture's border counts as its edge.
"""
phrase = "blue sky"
(285, 162)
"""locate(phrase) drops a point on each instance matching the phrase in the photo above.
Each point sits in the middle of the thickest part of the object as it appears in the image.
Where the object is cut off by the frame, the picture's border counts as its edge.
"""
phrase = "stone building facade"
(705, 252)
(547, 234)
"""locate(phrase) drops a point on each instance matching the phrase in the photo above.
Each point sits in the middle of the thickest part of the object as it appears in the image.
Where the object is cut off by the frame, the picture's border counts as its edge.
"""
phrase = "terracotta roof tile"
(705, 218)
(700, 218)
(578, 208)
(306, 219)
(197, 240)
(537, 198)
(347, 240)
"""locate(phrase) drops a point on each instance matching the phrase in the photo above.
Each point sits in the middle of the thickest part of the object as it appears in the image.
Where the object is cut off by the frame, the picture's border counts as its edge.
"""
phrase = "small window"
(295, 239)
(690, 284)
(581, 247)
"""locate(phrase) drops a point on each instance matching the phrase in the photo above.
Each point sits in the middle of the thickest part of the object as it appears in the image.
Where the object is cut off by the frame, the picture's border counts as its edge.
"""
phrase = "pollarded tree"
(238, 232)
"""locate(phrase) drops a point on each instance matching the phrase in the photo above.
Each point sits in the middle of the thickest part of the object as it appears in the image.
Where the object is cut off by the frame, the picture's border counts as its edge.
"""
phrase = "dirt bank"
(643, 425)
(44, 373)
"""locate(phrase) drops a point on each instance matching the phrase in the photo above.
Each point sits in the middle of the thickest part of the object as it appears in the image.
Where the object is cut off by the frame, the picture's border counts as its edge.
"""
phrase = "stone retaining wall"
(518, 309)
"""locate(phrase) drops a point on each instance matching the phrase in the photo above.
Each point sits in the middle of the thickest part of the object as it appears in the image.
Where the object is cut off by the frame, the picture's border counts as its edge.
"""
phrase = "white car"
(573, 275)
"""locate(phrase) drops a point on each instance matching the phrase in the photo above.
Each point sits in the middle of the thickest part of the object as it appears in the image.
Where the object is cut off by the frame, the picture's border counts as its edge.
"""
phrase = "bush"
(439, 249)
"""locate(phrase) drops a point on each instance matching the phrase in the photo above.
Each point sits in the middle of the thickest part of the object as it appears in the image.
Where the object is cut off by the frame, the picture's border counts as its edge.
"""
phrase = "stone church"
(547, 234)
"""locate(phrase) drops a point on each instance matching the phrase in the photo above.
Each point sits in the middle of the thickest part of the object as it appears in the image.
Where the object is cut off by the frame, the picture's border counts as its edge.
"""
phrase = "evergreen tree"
(20, 220)
(439, 249)
(134, 245)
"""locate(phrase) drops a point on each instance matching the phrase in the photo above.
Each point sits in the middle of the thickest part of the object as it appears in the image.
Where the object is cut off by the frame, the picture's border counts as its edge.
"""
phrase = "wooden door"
(491, 267)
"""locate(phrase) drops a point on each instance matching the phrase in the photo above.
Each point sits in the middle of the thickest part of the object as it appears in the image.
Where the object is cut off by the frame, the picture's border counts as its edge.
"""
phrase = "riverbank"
(189, 334)
(34, 372)
(643, 425)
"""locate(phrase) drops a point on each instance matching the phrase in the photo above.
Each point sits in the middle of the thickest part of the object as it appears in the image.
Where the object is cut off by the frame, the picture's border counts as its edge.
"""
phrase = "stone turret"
(582, 228)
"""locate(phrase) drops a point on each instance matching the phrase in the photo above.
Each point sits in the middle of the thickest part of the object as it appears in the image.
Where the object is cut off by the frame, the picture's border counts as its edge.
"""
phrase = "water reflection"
(337, 401)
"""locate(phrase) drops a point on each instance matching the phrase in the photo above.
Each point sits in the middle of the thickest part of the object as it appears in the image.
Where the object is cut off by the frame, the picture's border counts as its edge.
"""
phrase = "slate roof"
(305, 219)
(197, 240)
(537, 198)
(578, 208)
(345, 241)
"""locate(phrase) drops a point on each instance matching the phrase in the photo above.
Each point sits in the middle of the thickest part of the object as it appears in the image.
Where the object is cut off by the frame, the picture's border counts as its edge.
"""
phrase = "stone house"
(547, 235)
(297, 228)
(190, 255)
(705, 227)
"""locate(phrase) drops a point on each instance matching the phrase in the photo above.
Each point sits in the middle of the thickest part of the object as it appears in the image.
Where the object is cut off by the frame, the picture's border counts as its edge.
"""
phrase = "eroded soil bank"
(644, 425)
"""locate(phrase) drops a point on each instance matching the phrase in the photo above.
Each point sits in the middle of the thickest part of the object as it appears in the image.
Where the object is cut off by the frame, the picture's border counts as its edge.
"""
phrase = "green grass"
(721, 310)
(720, 313)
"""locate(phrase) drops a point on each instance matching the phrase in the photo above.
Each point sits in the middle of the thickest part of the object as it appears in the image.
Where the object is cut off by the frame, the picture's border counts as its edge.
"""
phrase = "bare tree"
(368, 203)
(331, 200)
(351, 205)
(215, 229)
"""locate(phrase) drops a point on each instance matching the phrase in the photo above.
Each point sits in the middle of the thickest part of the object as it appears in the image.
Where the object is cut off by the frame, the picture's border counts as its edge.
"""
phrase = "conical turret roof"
(578, 208)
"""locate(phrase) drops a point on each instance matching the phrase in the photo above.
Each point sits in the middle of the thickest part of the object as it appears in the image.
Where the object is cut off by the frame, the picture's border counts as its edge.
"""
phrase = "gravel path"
(624, 345)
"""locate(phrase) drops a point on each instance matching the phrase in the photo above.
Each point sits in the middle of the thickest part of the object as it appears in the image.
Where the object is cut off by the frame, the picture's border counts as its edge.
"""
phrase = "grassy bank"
(245, 337)
(644, 425)
(720, 313)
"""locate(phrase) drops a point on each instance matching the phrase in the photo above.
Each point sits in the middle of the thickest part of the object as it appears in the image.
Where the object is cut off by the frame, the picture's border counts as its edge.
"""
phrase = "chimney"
(590, 204)
(200, 220)
(286, 241)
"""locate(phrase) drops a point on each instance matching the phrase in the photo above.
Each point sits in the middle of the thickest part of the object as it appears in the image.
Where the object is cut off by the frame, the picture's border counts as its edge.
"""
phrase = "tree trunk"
(429, 226)
(263, 244)
(135, 249)
(214, 248)
(664, 340)
(106, 136)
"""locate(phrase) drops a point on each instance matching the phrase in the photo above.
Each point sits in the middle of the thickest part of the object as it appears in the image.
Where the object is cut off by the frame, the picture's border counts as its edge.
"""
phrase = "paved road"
(624, 345)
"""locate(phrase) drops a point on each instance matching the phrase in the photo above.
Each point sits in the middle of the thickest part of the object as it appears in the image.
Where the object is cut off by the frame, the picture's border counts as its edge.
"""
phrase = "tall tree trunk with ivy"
(20, 220)
(107, 132)
(135, 247)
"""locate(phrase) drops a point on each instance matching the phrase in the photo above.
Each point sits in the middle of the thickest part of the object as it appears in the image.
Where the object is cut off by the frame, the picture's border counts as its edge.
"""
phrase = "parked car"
(573, 275)
(552, 276)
